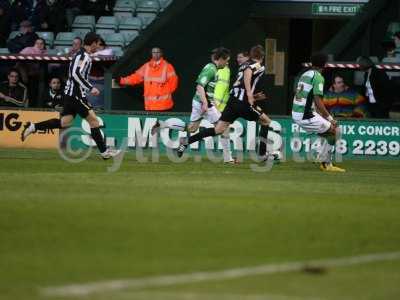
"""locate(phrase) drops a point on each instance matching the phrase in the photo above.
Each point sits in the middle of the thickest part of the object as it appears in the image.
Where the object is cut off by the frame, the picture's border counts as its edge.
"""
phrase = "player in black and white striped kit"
(241, 104)
(75, 101)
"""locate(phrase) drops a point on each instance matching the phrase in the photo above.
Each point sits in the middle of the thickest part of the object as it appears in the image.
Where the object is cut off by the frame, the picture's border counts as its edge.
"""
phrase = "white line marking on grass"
(171, 280)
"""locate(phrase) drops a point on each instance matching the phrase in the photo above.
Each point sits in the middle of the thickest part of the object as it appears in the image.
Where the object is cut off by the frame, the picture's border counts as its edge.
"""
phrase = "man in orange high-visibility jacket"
(160, 81)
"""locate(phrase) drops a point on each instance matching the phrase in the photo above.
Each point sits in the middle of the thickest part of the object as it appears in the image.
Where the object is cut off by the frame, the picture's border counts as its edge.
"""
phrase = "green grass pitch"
(63, 223)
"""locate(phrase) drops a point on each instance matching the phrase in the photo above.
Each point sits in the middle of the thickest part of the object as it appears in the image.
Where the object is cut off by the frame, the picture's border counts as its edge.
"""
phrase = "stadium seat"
(116, 39)
(393, 28)
(129, 35)
(107, 23)
(124, 8)
(4, 51)
(132, 23)
(13, 34)
(53, 51)
(85, 21)
(64, 38)
(147, 18)
(164, 3)
(81, 32)
(148, 6)
(104, 32)
(61, 50)
(117, 51)
(47, 36)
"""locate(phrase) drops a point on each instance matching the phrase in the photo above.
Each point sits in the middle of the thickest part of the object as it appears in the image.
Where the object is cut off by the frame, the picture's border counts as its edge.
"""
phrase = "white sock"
(32, 127)
(226, 146)
(326, 152)
(173, 124)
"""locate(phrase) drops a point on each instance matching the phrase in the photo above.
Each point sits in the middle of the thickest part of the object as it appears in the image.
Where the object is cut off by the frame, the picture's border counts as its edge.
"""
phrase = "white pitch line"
(171, 280)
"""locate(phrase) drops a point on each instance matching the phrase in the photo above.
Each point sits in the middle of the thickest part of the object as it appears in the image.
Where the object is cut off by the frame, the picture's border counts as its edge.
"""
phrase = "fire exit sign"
(335, 9)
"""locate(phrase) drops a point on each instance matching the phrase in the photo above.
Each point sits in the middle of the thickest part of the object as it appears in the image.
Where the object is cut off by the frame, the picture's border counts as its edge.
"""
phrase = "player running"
(75, 98)
(204, 102)
(241, 102)
(309, 111)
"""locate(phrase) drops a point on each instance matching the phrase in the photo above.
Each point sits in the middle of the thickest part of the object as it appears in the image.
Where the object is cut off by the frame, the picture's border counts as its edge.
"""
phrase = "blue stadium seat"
(53, 51)
(117, 51)
(64, 39)
(61, 50)
(132, 23)
(393, 28)
(85, 21)
(147, 18)
(13, 34)
(116, 39)
(164, 3)
(47, 36)
(4, 51)
(148, 6)
(103, 32)
(81, 32)
(129, 35)
(124, 8)
(107, 22)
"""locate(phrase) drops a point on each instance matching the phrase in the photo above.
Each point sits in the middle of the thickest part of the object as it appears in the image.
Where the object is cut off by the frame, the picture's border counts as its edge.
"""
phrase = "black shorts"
(74, 105)
(238, 109)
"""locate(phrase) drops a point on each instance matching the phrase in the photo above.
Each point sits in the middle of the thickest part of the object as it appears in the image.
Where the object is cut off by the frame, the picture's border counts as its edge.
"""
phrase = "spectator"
(378, 89)
(76, 46)
(4, 24)
(72, 9)
(24, 39)
(342, 101)
(12, 91)
(20, 11)
(49, 15)
(160, 81)
(54, 96)
(397, 43)
(390, 49)
(28, 69)
(32, 73)
(94, 7)
(97, 76)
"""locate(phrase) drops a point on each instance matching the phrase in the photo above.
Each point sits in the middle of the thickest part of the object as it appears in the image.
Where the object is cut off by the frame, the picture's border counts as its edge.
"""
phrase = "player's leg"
(195, 117)
(65, 121)
(213, 131)
(95, 132)
(325, 129)
(171, 124)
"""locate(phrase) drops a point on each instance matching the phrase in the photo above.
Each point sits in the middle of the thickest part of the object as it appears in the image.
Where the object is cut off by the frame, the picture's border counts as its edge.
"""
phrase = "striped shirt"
(207, 79)
(78, 75)
(310, 84)
(239, 90)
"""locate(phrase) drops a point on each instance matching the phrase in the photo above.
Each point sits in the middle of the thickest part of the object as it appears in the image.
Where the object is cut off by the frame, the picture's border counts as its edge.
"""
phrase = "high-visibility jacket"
(160, 81)
(221, 91)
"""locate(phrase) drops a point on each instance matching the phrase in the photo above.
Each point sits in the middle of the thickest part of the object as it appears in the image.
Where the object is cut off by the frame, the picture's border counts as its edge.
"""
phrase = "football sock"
(98, 138)
(202, 134)
(226, 145)
(48, 124)
(262, 144)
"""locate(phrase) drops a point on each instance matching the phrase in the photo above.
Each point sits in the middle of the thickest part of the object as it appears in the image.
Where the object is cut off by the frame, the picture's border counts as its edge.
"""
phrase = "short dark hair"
(90, 38)
(244, 53)
(319, 60)
(336, 75)
(43, 40)
(221, 52)
(397, 34)
(257, 52)
(13, 70)
(55, 77)
(78, 38)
